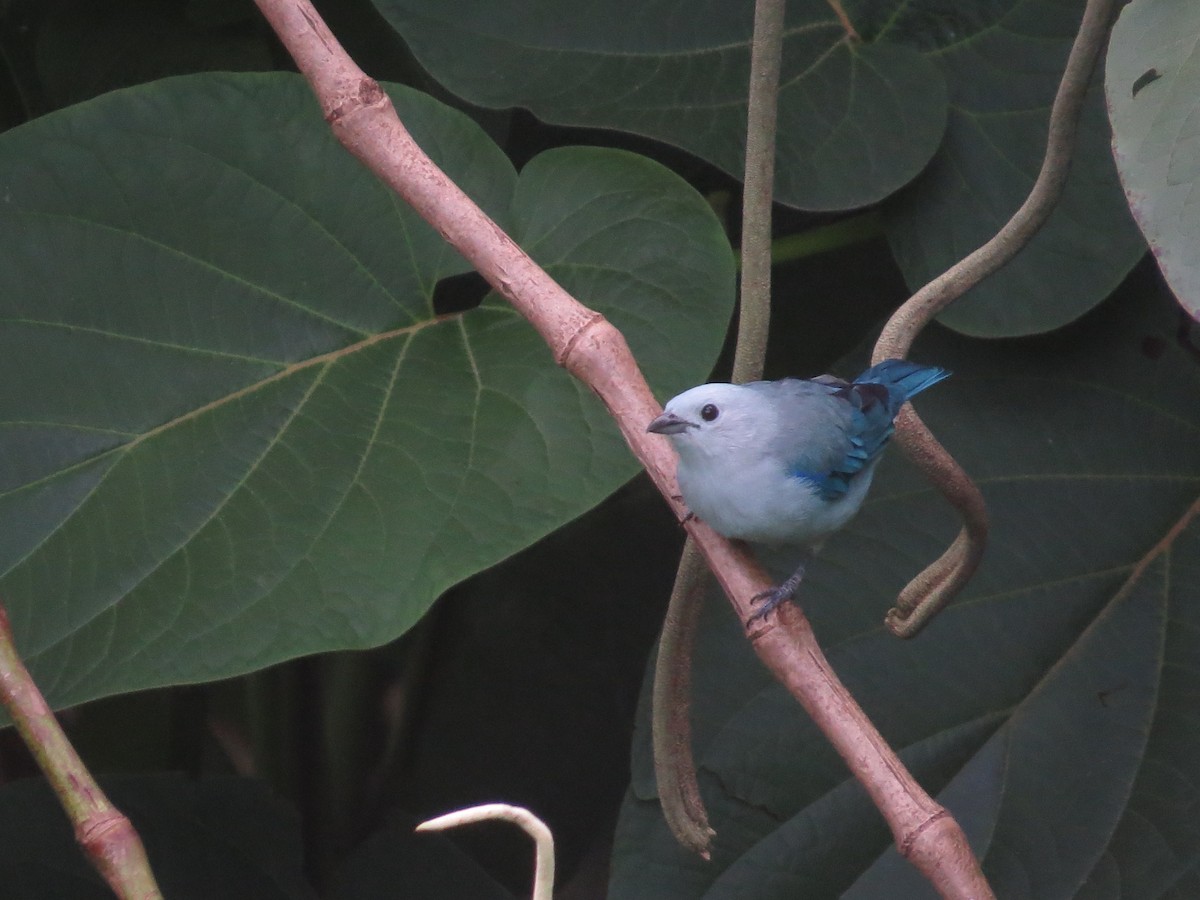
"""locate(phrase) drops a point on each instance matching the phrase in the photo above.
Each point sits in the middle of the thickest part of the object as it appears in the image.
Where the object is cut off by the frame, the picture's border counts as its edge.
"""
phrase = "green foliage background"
(255, 414)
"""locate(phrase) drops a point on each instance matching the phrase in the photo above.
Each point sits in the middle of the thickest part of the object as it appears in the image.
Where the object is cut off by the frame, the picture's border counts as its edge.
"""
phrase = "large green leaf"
(1153, 86)
(1048, 708)
(856, 121)
(233, 427)
(1003, 62)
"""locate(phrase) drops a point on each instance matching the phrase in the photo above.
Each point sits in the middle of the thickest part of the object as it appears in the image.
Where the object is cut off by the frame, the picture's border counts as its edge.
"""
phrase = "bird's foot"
(770, 600)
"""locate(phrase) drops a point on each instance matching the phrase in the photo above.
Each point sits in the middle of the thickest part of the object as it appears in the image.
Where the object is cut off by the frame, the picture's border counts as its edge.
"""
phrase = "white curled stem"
(543, 840)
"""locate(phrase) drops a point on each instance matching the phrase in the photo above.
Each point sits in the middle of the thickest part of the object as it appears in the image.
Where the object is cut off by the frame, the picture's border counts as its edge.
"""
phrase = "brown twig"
(933, 588)
(844, 20)
(674, 765)
(671, 707)
(106, 836)
(754, 319)
(582, 341)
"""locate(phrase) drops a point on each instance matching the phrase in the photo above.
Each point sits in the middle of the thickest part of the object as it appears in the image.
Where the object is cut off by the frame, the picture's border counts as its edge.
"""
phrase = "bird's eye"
(708, 412)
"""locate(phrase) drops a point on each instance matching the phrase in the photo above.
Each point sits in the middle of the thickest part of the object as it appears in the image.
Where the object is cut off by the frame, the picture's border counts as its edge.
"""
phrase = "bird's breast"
(764, 504)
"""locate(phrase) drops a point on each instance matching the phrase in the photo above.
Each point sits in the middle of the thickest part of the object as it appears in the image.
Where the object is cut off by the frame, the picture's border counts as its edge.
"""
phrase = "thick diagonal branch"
(362, 118)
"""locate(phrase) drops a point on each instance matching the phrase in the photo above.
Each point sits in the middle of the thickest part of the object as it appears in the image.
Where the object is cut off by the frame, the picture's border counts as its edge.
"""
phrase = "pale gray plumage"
(786, 462)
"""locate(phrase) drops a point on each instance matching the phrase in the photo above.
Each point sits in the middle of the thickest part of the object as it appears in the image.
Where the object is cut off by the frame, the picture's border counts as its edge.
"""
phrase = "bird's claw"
(769, 600)
(776, 595)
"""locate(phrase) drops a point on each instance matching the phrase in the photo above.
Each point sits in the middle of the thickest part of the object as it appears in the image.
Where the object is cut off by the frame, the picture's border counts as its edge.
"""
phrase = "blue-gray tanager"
(786, 462)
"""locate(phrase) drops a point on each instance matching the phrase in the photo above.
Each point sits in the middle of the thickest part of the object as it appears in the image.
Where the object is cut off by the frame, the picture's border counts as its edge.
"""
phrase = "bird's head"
(712, 418)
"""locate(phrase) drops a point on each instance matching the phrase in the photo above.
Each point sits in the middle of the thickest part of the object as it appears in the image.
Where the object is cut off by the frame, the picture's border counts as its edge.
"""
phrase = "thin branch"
(844, 20)
(361, 117)
(543, 839)
(754, 322)
(855, 229)
(106, 836)
(671, 707)
(932, 589)
(674, 765)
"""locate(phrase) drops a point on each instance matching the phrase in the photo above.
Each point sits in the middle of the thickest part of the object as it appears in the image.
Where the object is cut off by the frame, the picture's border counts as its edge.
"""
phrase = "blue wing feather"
(874, 398)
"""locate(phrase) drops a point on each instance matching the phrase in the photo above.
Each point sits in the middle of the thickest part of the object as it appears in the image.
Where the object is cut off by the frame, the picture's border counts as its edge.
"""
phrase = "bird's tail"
(903, 379)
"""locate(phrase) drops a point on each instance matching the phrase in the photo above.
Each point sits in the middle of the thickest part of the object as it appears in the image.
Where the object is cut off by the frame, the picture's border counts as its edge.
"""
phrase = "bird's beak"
(669, 423)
